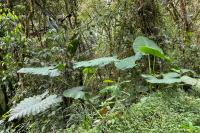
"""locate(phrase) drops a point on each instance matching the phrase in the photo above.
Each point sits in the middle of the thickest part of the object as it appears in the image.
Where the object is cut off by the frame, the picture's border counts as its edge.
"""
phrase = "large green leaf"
(154, 52)
(50, 71)
(191, 81)
(168, 78)
(33, 105)
(100, 62)
(146, 46)
(173, 77)
(128, 62)
(75, 93)
(142, 41)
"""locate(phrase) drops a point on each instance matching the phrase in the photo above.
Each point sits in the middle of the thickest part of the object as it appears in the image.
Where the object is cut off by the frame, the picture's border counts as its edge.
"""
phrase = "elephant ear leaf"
(144, 46)
(142, 41)
(154, 52)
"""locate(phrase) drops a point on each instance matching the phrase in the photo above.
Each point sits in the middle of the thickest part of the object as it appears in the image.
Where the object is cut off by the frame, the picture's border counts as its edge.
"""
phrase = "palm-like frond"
(33, 105)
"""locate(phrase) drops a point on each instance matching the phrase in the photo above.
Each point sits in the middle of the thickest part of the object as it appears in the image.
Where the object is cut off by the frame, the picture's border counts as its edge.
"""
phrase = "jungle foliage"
(99, 66)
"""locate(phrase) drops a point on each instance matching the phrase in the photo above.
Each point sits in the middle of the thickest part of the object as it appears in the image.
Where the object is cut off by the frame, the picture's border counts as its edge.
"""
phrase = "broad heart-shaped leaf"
(142, 41)
(33, 105)
(128, 62)
(168, 78)
(154, 52)
(75, 93)
(146, 46)
(100, 62)
(50, 71)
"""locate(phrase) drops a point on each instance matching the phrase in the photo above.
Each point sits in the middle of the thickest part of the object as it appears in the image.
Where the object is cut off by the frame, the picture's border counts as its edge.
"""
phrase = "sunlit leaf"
(146, 46)
(154, 52)
(88, 70)
(108, 81)
(144, 41)
(60, 67)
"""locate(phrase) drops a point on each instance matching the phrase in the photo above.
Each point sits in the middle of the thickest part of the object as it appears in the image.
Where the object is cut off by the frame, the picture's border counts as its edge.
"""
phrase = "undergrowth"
(165, 111)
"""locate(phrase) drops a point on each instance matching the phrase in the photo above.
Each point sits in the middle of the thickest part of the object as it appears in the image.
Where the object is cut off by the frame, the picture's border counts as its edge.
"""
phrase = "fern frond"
(33, 105)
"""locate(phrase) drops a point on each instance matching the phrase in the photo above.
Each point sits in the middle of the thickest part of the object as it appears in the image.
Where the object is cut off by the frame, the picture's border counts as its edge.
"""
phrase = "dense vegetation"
(100, 66)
